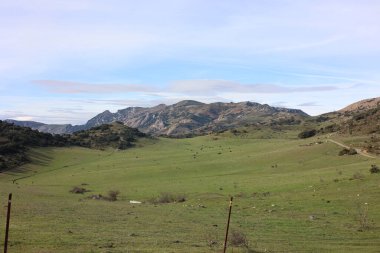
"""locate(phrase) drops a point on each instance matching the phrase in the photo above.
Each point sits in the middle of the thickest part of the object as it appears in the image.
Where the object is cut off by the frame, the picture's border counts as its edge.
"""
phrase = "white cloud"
(190, 87)
(223, 86)
(67, 87)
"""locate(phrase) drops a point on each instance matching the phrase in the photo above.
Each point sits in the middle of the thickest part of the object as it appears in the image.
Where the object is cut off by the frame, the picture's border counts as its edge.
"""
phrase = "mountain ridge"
(190, 117)
(187, 117)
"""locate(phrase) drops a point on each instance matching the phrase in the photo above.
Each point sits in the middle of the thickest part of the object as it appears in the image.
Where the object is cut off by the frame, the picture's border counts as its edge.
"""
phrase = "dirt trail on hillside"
(360, 152)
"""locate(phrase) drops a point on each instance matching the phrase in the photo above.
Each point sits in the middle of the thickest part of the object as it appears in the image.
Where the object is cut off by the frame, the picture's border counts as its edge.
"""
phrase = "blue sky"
(64, 61)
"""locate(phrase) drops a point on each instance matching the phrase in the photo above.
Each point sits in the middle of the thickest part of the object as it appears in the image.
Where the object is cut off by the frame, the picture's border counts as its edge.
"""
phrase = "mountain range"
(184, 118)
(188, 117)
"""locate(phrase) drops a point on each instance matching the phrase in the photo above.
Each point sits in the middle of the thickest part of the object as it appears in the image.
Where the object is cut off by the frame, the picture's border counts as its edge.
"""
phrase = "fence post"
(228, 226)
(7, 225)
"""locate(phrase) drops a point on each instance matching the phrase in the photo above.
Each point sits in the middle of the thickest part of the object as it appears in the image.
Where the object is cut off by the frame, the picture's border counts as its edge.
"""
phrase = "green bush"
(374, 169)
(78, 190)
(307, 134)
(347, 151)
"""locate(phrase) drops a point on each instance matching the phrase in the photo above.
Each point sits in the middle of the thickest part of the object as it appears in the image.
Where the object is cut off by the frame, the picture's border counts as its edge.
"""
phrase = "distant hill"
(48, 128)
(188, 118)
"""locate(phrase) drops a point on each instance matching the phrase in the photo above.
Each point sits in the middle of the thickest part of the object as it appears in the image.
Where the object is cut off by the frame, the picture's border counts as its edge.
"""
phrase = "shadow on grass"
(36, 157)
(40, 157)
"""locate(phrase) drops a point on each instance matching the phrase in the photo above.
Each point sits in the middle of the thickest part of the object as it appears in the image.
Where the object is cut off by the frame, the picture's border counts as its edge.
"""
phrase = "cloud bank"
(191, 87)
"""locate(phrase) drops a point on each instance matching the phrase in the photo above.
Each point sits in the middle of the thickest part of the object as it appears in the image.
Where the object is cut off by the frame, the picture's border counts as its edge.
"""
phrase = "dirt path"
(360, 152)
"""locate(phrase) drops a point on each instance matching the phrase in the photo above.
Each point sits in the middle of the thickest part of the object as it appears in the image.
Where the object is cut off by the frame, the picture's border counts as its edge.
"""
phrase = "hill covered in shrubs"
(15, 141)
(115, 135)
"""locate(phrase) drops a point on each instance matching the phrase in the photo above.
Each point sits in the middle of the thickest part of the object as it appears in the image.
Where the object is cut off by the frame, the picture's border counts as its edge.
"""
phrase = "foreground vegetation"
(291, 195)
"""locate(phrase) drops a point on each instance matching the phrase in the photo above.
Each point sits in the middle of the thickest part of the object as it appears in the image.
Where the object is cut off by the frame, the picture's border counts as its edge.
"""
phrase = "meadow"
(290, 195)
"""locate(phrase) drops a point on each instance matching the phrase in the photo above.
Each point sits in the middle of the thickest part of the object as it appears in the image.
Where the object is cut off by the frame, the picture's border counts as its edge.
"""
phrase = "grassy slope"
(47, 218)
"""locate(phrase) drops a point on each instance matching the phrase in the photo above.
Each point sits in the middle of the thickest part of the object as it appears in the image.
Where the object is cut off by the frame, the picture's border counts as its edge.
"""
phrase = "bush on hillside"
(112, 195)
(238, 239)
(352, 151)
(78, 190)
(102, 127)
(329, 129)
(347, 151)
(374, 169)
(124, 145)
(11, 148)
(307, 134)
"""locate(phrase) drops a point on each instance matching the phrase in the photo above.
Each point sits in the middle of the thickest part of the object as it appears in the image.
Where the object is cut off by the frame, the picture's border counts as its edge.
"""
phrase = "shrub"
(374, 169)
(347, 151)
(112, 195)
(343, 152)
(238, 239)
(78, 190)
(124, 145)
(307, 134)
(352, 151)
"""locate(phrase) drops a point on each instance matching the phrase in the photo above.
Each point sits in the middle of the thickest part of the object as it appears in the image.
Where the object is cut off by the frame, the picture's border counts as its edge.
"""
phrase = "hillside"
(361, 118)
(15, 141)
(114, 135)
(188, 118)
(362, 105)
(359, 121)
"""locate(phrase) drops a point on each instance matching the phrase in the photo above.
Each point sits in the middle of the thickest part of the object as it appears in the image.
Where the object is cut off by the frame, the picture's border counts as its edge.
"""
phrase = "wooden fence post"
(7, 225)
(228, 226)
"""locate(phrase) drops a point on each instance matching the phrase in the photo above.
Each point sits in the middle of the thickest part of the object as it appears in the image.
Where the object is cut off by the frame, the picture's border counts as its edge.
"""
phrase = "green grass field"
(288, 197)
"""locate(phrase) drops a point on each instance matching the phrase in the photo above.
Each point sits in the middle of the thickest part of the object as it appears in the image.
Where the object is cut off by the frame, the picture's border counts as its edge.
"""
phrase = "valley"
(189, 126)
(290, 195)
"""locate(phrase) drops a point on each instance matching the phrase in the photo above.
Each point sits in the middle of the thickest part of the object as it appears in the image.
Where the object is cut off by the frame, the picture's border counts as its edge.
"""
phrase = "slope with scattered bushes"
(15, 141)
(114, 135)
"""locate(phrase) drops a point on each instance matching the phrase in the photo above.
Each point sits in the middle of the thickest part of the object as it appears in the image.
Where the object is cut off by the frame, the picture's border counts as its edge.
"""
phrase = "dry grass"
(166, 197)
(364, 222)
(78, 190)
(238, 239)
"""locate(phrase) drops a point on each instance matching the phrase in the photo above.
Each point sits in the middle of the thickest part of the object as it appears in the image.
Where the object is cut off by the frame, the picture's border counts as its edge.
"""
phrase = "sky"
(65, 61)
